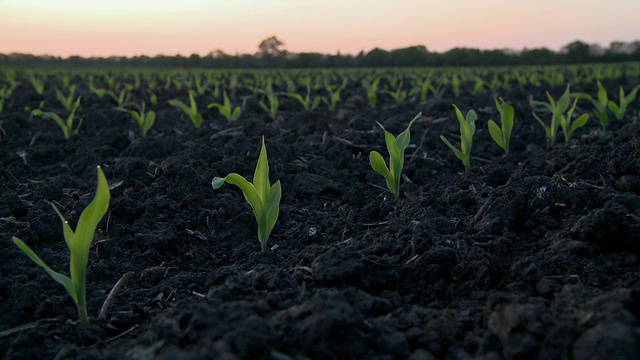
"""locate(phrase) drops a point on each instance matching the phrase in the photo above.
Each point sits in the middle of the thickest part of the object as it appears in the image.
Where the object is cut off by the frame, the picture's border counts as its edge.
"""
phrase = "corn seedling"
(5, 93)
(78, 242)
(306, 102)
(191, 111)
(372, 90)
(272, 99)
(455, 85)
(66, 126)
(144, 120)
(559, 118)
(201, 87)
(599, 104)
(66, 101)
(123, 96)
(467, 129)
(398, 94)
(226, 109)
(38, 84)
(396, 147)
(261, 195)
(334, 95)
(502, 135)
(619, 109)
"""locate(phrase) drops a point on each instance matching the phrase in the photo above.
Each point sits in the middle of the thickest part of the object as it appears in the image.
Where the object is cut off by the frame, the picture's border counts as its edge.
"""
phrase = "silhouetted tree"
(270, 46)
(577, 51)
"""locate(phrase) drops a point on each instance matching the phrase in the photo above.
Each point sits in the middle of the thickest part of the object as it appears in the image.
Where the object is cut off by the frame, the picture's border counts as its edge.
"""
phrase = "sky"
(152, 27)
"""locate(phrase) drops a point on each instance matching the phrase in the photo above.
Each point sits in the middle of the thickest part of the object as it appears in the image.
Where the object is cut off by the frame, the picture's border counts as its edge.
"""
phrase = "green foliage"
(467, 129)
(121, 98)
(5, 94)
(562, 116)
(334, 95)
(398, 94)
(306, 102)
(66, 101)
(371, 87)
(599, 104)
(455, 84)
(502, 135)
(226, 109)
(66, 126)
(272, 99)
(144, 120)
(78, 242)
(619, 109)
(38, 84)
(191, 111)
(263, 198)
(396, 147)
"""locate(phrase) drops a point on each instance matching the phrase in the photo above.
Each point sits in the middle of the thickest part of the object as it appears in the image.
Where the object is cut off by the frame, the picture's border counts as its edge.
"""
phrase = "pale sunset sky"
(169, 27)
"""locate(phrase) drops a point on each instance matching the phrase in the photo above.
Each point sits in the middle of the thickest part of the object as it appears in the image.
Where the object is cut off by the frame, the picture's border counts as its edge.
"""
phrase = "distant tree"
(270, 47)
(410, 56)
(577, 51)
(538, 56)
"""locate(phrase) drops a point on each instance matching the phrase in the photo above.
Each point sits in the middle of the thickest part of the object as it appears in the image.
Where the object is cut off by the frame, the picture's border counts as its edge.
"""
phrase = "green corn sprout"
(455, 84)
(263, 198)
(502, 135)
(467, 129)
(201, 87)
(191, 111)
(372, 90)
(599, 104)
(398, 94)
(306, 102)
(78, 242)
(396, 147)
(120, 99)
(559, 118)
(67, 127)
(38, 85)
(272, 99)
(5, 93)
(334, 95)
(66, 101)
(229, 112)
(618, 110)
(144, 120)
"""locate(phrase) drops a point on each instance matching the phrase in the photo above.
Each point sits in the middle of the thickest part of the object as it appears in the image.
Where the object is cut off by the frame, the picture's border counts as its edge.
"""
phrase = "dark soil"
(533, 255)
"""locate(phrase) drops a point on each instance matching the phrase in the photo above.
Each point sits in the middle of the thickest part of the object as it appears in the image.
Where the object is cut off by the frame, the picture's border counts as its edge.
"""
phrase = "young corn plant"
(66, 126)
(599, 104)
(122, 98)
(467, 129)
(5, 94)
(396, 147)
(191, 110)
(562, 116)
(502, 134)
(272, 100)
(306, 102)
(144, 120)
(398, 94)
(334, 95)
(619, 109)
(261, 195)
(78, 242)
(66, 100)
(371, 87)
(38, 84)
(226, 109)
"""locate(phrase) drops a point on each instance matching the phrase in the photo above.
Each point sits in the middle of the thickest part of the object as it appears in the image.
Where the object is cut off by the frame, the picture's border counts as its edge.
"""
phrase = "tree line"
(271, 54)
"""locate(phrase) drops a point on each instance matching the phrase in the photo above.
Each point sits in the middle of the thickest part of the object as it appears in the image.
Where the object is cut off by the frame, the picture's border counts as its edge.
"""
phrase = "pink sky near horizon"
(152, 27)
